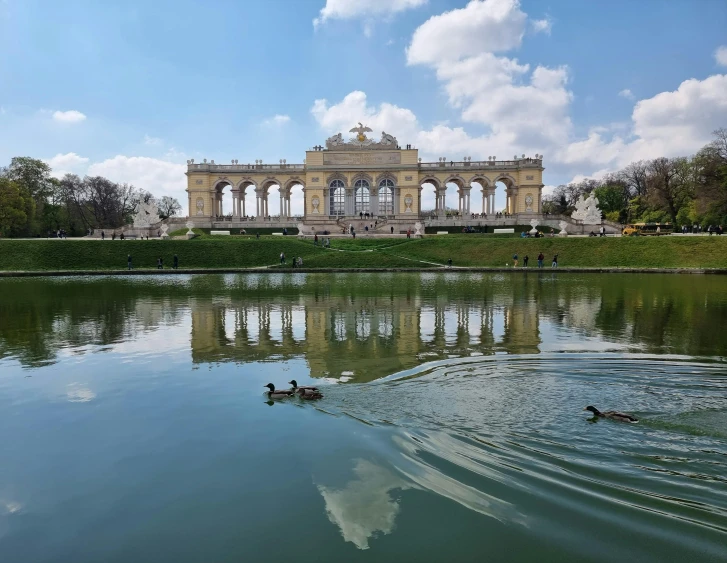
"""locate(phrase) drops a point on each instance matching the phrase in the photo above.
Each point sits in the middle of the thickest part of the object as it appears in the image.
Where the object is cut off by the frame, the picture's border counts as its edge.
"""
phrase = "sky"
(130, 90)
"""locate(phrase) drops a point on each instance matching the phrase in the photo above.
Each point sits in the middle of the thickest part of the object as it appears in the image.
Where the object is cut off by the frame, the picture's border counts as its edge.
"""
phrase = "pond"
(134, 424)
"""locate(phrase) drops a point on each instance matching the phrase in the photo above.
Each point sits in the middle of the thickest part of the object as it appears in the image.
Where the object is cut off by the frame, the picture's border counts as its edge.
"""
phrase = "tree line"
(681, 191)
(33, 203)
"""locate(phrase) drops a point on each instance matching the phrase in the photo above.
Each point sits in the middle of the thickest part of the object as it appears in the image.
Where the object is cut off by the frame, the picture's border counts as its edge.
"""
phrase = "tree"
(610, 198)
(635, 177)
(670, 184)
(14, 207)
(168, 207)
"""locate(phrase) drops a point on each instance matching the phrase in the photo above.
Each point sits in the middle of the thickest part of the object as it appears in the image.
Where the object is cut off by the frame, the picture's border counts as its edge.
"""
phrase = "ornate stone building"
(347, 178)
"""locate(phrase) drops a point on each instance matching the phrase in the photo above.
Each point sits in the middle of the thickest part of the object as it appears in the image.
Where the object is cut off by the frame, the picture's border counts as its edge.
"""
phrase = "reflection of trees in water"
(373, 325)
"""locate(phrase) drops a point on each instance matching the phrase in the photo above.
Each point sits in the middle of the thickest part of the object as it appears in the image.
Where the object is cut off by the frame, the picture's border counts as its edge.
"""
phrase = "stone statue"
(418, 229)
(533, 224)
(164, 230)
(563, 225)
(190, 226)
(334, 141)
(146, 214)
(387, 139)
(587, 210)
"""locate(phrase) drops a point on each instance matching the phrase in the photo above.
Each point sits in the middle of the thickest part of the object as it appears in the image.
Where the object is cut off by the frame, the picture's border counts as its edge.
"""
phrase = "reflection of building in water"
(372, 336)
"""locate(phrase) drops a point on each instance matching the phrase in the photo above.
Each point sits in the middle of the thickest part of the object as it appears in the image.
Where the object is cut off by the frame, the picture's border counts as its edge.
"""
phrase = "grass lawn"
(464, 250)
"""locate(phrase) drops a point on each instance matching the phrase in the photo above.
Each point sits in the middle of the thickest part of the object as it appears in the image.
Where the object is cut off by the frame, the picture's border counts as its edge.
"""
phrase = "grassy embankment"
(464, 250)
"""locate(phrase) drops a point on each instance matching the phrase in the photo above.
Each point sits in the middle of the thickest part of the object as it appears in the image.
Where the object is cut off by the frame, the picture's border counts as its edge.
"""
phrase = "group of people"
(60, 233)
(297, 262)
(541, 259)
(326, 241)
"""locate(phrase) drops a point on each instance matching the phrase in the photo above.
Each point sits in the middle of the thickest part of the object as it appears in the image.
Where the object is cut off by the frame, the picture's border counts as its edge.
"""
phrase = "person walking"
(449, 262)
(128, 261)
(555, 261)
(103, 235)
(525, 261)
(392, 229)
(175, 262)
(315, 239)
(540, 260)
(282, 258)
(159, 264)
(514, 260)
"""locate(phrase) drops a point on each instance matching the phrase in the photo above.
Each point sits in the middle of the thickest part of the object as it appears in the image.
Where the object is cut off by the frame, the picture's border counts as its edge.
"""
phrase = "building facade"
(361, 176)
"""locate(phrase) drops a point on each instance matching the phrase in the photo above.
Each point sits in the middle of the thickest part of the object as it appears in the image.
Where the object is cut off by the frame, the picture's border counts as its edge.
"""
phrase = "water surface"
(134, 425)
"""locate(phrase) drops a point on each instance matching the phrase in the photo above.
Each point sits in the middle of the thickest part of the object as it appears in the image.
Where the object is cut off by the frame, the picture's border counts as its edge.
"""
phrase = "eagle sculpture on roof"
(361, 132)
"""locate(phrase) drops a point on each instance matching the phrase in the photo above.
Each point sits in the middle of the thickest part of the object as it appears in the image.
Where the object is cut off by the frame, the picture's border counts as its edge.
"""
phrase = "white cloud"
(626, 93)
(365, 507)
(70, 116)
(276, 121)
(152, 140)
(160, 177)
(542, 26)
(354, 108)
(490, 26)
(69, 163)
(720, 55)
(367, 9)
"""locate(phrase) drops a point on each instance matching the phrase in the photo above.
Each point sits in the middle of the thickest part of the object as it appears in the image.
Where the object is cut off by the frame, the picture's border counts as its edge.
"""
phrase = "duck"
(613, 415)
(303, 389)
(279, 394)
(309, 395)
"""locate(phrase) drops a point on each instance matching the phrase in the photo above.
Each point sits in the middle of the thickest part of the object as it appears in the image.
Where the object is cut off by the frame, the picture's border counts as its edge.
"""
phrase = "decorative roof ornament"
(361, 141)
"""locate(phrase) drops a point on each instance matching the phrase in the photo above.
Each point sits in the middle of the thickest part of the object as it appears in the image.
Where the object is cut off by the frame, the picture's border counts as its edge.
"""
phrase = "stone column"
(243, 204)
(282, 207)
(374, 201)
(514, 199)
(349, 205)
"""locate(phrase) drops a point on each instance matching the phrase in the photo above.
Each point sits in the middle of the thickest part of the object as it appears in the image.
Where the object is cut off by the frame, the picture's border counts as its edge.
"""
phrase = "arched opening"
(481, 196)
(429, 198)
(362, 197)
(220, 207)
(455, 207)
(295, 200)
(502, 186)
(386, 197)
(337, 198)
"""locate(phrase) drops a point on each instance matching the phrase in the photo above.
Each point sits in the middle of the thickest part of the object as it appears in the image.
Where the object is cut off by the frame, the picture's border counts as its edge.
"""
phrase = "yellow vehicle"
(643, 229)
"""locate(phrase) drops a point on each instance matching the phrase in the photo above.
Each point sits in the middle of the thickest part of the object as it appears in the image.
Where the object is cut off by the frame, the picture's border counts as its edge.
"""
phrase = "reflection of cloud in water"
(11, 507)
(364, 506)
(78, 394)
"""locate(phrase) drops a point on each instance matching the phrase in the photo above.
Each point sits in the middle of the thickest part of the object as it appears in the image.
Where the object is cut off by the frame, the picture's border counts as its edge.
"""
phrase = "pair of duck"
(307, 392)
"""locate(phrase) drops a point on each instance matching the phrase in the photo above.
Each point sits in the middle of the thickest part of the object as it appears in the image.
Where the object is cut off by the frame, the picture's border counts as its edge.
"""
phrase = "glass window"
(361, 195)
(386, 197)
(337, 197)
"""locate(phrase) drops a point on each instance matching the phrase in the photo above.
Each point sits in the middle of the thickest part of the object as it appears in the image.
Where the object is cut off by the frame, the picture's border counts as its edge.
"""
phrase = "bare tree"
(168, 207)
(669, 184)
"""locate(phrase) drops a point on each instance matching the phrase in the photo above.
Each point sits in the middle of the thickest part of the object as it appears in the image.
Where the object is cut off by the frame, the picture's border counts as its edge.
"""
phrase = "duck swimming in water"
(302, 389)
(613, 415)
(309, 395)
(279, 394)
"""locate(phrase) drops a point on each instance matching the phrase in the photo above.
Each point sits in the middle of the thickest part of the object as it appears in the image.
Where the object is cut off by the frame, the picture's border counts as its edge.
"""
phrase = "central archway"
(362, 196)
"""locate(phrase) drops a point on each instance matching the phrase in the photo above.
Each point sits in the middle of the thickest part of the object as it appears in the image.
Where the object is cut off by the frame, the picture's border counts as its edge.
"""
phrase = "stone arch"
(436, 182)
(337, 176)
(244, 183)
(455, 179)
(362, 176)
(481, 179)
(386, 176)
(293, 203)
(217, 194)
(506, 179)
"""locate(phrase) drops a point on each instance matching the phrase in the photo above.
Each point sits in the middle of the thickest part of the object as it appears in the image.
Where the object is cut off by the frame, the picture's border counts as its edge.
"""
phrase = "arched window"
(386, 197)
(337, 197)
(361, 195)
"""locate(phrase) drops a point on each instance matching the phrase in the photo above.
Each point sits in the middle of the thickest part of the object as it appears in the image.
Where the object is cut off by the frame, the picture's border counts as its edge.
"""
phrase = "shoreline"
(304, 270)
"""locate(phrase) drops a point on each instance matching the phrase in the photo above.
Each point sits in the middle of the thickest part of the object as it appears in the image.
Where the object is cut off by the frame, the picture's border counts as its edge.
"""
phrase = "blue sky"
(132, 89)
